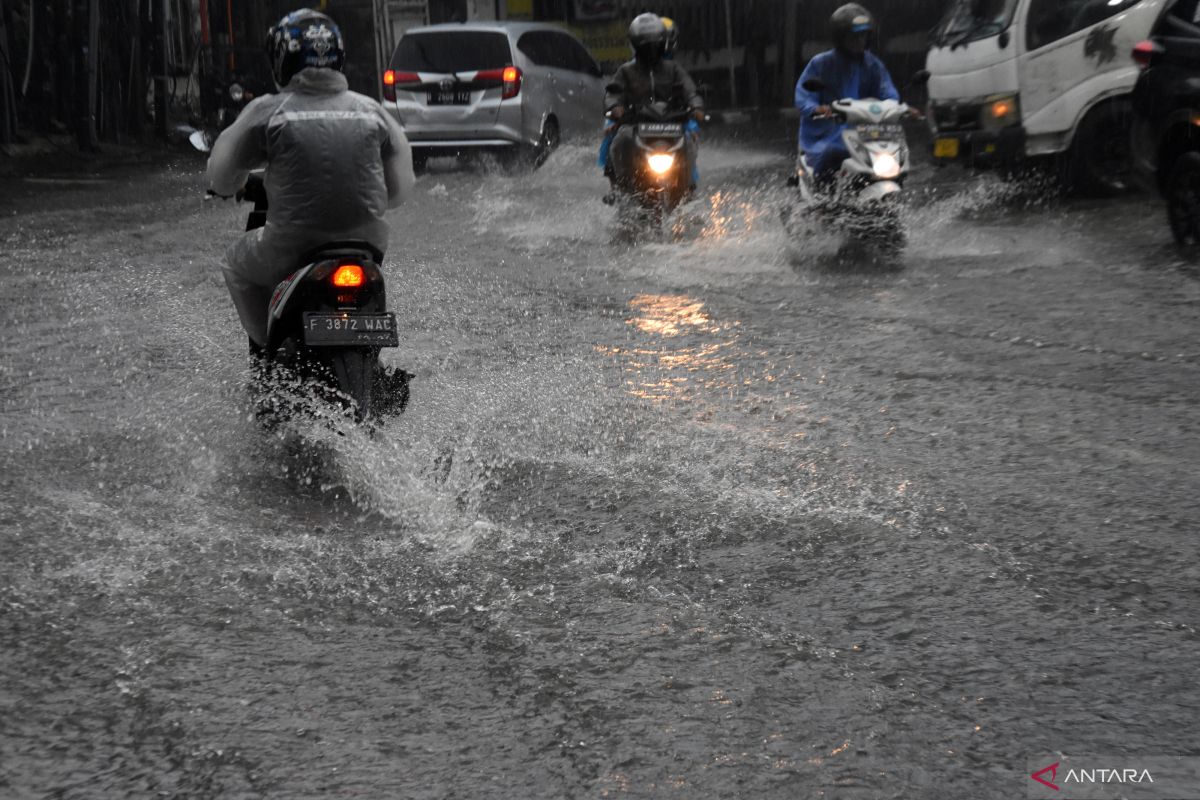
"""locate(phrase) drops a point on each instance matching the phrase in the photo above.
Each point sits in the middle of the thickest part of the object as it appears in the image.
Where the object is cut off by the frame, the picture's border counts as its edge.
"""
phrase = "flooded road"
(722, 517)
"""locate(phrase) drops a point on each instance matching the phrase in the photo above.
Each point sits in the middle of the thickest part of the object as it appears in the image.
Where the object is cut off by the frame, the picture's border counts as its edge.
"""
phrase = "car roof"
(485, 26)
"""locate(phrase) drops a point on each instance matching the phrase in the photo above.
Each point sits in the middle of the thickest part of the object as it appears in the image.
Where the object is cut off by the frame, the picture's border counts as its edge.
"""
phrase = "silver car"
(514, 88)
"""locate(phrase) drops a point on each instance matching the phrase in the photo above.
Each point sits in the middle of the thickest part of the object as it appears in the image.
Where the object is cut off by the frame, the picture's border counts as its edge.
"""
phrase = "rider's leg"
(693, 136)
(254, 265)
(621, 154)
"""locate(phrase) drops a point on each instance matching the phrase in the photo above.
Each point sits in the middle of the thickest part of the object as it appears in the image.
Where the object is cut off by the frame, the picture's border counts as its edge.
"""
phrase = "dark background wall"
(111, 70)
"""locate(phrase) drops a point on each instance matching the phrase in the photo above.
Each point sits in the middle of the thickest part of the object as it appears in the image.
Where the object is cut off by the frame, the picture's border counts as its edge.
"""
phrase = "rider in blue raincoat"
(849, 70)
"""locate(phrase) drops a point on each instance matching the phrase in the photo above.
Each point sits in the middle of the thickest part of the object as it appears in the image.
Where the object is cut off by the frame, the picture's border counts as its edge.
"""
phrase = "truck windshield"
(971, 20)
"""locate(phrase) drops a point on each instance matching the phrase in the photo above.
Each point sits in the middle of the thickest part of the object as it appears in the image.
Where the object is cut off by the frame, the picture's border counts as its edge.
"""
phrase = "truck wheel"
(1183, 199)
(1098, 161)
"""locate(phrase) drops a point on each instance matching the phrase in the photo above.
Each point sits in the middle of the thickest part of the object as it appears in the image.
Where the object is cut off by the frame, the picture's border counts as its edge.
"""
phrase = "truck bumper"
(980, 149)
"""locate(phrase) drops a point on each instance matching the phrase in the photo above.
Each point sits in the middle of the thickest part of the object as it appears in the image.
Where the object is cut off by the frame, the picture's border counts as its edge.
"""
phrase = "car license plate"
(455, 97)
(366, 330)
(945, 148)
(660, 129)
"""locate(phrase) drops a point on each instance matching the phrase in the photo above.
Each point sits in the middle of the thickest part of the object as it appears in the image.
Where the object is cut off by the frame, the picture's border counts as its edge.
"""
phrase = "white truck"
(1020, 82)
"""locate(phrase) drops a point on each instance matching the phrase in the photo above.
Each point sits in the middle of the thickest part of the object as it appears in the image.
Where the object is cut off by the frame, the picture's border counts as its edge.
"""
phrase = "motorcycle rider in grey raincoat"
(335, 163)
(648, 78)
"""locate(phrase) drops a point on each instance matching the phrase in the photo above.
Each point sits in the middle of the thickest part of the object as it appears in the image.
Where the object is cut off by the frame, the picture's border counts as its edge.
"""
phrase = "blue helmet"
(304, 38)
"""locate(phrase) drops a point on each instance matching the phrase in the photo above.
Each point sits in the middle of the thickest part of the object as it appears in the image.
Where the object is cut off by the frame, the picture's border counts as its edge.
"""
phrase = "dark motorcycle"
(327, 322)
(658, 177)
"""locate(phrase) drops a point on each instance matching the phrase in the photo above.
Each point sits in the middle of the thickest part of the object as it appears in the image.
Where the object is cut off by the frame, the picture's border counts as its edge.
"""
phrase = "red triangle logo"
(1053, 770)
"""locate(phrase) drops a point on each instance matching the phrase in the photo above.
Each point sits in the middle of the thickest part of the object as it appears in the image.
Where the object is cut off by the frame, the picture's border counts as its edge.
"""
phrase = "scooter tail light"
(348, 276)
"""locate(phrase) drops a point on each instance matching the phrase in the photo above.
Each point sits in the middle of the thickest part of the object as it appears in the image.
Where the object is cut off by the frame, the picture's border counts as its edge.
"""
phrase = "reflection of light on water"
(732, 213)
(670, 315)
(675, 371)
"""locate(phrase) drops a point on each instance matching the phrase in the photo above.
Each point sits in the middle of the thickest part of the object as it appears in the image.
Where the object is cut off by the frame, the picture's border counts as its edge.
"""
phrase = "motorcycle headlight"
(236, 92)
(886, 165)
(661, 163)
(1000, 111)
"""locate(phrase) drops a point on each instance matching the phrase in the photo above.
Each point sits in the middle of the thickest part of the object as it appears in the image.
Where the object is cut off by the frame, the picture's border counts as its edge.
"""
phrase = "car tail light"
(391, 77)
(1145, 51)
(348, 276)
(512, 83)
(509, 77)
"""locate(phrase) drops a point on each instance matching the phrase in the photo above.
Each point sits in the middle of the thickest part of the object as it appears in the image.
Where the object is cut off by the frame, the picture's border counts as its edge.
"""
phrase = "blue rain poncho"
(844, 77)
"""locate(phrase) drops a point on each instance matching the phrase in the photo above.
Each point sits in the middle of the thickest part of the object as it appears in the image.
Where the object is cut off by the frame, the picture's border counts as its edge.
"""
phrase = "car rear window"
(451, 51)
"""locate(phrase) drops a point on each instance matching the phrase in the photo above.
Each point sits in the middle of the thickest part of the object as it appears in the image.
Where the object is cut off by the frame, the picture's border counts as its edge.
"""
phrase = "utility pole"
(158, 16)
(733, 92)
(93, 72)
(791, 20)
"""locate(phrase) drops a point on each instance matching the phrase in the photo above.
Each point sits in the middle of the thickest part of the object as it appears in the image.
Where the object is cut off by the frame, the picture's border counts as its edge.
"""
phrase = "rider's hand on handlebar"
(616, 112)
(822, 112)
(699, 115)
(915, 113)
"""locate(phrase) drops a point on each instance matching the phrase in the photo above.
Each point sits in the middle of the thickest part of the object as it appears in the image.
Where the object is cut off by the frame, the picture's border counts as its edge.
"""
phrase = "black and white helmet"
(648, 37)
(304, 38)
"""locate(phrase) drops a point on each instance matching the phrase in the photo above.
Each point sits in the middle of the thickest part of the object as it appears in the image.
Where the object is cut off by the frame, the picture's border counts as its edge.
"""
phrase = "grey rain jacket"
(336, 161)
(635, 84)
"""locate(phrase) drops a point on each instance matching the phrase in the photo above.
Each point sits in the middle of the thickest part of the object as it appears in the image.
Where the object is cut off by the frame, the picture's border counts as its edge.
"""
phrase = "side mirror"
(201, 140)
(814, 84)
(921, 77)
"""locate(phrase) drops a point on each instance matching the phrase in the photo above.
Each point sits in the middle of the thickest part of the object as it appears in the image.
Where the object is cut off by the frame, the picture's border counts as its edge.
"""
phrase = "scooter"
(658, 178)
(861, 200)
(327, 322)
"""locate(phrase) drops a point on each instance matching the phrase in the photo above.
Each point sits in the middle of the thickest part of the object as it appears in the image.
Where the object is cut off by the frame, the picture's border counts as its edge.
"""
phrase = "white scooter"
(861, 199)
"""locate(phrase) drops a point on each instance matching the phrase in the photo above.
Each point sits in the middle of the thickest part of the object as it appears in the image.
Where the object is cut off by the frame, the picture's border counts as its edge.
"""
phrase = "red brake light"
(509, 77)
(1144, 52)
(512, 83)
(348, 275)
(391, 77)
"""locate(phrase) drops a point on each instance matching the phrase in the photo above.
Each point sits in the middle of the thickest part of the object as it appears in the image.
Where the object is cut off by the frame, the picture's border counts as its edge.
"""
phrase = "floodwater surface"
(725, 514)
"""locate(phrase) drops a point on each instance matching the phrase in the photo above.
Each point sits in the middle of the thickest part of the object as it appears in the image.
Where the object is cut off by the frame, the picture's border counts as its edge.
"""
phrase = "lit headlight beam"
(661, 163)
(886, 165)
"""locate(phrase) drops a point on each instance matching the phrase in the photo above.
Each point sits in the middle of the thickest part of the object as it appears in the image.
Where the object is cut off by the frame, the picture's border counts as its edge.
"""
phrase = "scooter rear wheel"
(354, 373)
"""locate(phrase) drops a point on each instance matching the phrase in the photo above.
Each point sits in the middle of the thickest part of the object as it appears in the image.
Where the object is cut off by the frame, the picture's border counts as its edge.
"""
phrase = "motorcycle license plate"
(365, 330)
(945, 148)
(660, 129)
(456, 97)
(881, 131)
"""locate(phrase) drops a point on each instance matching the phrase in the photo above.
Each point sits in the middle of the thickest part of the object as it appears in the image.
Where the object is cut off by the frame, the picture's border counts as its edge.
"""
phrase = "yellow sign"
(520, 9)
(945, 148)
(606, 41)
